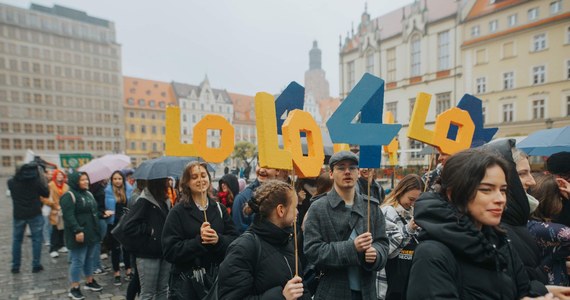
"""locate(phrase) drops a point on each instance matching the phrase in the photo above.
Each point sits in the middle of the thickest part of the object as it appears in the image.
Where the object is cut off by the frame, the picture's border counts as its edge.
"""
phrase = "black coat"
(243, 276)
(26, 188)
(455, 260)
(516, 215)
(144, 225)
(181, 242)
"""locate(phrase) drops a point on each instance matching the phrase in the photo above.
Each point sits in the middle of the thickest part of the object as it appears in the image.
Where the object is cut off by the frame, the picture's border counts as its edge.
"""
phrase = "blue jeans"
(36, 226)
(81, 261)
(46, 230)
(97, 254)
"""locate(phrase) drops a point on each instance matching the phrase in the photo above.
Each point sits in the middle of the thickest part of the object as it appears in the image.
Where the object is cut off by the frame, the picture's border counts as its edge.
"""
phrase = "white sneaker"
(122, 265)
(54, 254)
(104, 256)
(63, 250)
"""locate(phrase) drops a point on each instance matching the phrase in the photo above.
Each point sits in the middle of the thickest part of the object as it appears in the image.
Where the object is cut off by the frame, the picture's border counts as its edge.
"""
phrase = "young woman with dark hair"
(553, 239)
(192, 242)
(144, 227)
(463, 253)
(260, 264)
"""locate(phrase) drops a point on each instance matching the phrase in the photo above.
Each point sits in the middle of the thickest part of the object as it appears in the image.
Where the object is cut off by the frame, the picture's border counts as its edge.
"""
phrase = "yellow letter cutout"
(301, 121)
(270, 156)
(214, 122)
(392, 148)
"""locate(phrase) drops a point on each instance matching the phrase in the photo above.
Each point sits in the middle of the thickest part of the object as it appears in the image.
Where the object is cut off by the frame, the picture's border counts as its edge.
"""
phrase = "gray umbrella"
(166, 166)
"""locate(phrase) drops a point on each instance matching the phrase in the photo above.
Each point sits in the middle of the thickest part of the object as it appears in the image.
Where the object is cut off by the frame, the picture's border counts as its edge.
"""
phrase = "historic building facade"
(197, 101)
(414, 49)
(145, 114)
(517, 60)
(60, 84)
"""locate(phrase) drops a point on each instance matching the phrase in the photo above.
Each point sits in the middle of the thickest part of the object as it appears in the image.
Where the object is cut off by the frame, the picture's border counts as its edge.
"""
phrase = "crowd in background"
(480, 225)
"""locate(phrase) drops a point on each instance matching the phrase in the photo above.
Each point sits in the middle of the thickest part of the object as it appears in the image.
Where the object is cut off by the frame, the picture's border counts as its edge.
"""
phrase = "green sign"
(74, 160)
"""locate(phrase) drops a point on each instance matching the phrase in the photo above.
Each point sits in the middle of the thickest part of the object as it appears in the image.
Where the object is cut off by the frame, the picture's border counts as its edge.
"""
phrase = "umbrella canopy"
(547, 142)
(102, 167)
(166, 166)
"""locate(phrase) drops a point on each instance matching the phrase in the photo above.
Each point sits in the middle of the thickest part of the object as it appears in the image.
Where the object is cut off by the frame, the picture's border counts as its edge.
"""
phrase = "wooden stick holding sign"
(370, 175)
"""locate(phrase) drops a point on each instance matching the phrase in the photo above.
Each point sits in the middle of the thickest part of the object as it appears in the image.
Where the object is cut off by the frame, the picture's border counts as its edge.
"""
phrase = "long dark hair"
(549, 198)
(120, 194)
(157, 188)
(463, 173)
(186, 176)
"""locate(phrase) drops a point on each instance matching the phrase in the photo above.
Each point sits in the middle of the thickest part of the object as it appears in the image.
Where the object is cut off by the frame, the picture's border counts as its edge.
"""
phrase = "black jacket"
(181, 242)
(455, 260)
(243, 276)
(98, 191)
(26, 188)
(515, 217)
(144, 225)
(376, 191)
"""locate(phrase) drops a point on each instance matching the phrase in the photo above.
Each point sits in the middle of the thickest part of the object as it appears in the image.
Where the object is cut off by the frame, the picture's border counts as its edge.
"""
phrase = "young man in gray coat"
(336, 236)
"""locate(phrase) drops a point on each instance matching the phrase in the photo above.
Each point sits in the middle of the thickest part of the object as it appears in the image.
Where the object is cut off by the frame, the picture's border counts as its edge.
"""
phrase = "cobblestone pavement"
(52, 283)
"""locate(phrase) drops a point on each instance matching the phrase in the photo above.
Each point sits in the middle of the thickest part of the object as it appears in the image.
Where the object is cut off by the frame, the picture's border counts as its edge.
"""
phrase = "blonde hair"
(409, 183)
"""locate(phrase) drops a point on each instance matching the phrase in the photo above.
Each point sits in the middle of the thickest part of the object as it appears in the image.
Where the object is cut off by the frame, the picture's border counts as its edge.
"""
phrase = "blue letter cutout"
(293, 97)
(474, 106)
(367, 97)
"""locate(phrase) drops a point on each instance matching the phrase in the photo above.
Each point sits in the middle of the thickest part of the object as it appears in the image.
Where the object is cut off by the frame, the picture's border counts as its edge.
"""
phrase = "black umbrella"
(166, 166)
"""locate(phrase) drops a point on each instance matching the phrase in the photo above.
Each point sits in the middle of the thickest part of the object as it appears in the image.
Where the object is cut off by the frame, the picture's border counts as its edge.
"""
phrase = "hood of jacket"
(440, 221)
(73, 181)
(271, 233)
(28, 171)
(517, 211)
(232, 182)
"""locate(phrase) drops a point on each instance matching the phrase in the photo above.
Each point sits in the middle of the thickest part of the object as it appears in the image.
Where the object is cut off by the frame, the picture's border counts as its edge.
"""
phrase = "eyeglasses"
(351, 168)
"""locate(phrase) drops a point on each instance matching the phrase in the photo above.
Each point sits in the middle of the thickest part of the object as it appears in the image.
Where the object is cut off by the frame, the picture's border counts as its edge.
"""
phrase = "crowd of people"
(481, 225)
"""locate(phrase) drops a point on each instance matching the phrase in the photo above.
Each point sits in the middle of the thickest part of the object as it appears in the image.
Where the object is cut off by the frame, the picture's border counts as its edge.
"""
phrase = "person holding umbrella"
(144, 226)
(196, 234)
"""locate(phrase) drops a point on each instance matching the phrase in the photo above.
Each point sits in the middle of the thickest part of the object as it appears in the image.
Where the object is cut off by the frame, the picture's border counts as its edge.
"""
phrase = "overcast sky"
(244, 46)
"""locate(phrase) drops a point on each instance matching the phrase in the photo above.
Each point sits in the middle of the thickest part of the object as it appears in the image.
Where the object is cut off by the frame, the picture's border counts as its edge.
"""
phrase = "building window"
(508, 49)
(5, 144)
(17, 144)
(6, 161)
(480, 56)
(133, 145)
(153, 129)
(412, 104)
(415, 53)
(141, 102)
(131, 101)
(143, 115)
(151, 103)
(393, 108)
(481, 84)
(533, 14)
(132, 128)
(143, 146)
(391, 64)
(512, 20)
(4, 127)
(539, 42)
(568, 106)
(508, 80)
(508, 112)
(555, 7)
(493, 26)
(475, 31)
(416, 147)
(568, 69)
(443, 50)
(154, 147)
(143, 128)
(484, 112)
(538, 74)
(350, 75)
(443, 101)
(538, 109)
(161, 104)
(568, 35)
(370, 63)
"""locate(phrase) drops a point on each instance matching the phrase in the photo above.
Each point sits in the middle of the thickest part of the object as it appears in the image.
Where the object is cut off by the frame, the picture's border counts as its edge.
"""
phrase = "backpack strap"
(72, 196)
(220, 210)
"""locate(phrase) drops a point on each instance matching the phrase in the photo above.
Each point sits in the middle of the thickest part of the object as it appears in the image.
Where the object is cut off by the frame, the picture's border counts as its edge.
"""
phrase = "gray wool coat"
(328, 227)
